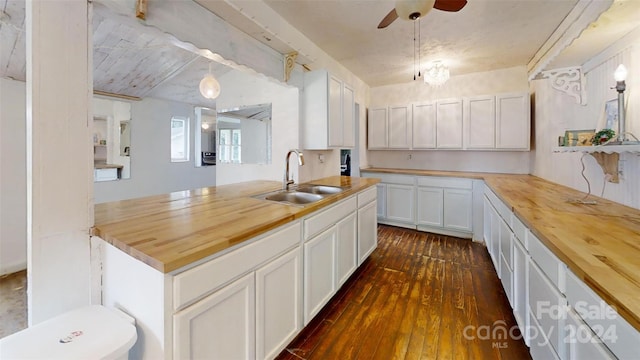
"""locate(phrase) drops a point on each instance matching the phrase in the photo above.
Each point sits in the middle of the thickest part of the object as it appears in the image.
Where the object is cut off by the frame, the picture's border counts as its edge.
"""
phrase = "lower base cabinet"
(367, 231)
(197, 329)
(319, 272)
(346, 248)
(278, 305)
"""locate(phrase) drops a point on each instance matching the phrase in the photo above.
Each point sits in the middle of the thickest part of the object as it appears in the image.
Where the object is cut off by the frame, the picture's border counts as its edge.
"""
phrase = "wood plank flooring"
(419, 296)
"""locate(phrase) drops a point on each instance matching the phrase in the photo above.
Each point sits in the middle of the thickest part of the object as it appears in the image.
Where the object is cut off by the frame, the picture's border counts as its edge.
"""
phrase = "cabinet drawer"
(105, 174)
(548, 307)
(366, 196)
(445, 182)
(317, 223)
(502, 209)
(520, 231)
(541, 348)
(193, 284)
(581, 341)
(619, 336)
(552, 267)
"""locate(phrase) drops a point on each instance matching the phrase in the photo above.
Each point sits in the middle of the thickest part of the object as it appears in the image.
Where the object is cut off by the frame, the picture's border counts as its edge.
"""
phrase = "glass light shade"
(405, 8)
(205, 126)
(437, 74)
(621, 73)
(209, 87)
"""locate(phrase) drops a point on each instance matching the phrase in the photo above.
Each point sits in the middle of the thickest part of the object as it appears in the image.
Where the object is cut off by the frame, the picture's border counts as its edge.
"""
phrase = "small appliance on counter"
(208, 158)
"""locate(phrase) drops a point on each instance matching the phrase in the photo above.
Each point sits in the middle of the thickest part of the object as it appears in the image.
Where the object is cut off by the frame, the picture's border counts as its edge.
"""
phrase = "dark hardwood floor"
(419, 296)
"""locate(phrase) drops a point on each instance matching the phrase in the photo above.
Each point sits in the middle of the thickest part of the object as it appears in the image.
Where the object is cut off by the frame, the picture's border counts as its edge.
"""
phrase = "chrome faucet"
(289, 181)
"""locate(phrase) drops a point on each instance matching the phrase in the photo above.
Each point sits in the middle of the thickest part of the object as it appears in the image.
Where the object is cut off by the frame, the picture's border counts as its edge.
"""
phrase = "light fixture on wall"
(621, 75)
(209, 86)
(437, 74)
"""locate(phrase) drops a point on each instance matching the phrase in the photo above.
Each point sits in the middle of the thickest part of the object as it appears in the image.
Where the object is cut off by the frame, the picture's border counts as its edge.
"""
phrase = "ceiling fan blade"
(391, 17)
(450, 5)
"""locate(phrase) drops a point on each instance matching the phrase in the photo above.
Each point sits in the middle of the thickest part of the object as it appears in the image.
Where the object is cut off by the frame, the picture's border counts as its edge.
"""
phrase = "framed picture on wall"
(611, 115)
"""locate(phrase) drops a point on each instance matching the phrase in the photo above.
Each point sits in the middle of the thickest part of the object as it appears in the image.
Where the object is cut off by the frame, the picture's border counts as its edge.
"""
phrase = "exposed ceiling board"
(483, 36)
(622, 18)
(13, 50)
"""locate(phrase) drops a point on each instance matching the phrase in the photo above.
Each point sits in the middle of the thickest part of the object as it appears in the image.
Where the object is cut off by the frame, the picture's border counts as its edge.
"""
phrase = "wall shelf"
(608, 149)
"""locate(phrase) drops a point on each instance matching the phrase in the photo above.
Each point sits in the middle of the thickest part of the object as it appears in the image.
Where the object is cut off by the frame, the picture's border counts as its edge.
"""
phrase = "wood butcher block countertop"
(599, 243)
(173, 230)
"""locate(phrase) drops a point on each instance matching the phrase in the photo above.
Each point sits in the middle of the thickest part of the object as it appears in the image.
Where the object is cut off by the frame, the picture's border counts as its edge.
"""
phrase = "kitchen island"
(217, 273)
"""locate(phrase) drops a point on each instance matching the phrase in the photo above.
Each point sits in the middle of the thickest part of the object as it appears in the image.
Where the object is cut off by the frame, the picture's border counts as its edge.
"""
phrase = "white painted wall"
(556, 112)
(152, 172)
(242, 89)
(13, 177)
(485, 83)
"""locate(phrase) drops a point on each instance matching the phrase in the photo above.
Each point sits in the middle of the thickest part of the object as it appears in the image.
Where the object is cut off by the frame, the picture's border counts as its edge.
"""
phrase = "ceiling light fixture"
(205, 126)
(437, 74)
(209, 86)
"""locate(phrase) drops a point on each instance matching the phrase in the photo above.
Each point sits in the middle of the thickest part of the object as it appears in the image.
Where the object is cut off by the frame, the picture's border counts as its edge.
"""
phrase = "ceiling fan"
(415, 9)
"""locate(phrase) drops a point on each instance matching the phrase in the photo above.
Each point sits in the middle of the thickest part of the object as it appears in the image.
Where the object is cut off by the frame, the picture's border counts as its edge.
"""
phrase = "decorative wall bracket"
(289, 63)
(570, 81)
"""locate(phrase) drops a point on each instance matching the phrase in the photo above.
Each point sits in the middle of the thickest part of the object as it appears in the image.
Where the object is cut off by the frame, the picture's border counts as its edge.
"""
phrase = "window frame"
(186, 134)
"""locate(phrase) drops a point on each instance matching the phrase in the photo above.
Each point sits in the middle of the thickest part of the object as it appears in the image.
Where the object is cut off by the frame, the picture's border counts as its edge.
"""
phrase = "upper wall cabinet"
(489, 122)
(328, 119)
(497, 122)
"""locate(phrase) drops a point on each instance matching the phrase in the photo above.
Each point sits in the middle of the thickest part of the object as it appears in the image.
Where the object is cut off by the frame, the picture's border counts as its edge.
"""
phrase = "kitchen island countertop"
(174, 230)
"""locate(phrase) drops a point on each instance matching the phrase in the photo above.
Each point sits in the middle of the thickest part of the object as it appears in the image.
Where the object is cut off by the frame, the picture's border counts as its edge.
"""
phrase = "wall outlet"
(621, 169)
(409, 157)
(321, 158)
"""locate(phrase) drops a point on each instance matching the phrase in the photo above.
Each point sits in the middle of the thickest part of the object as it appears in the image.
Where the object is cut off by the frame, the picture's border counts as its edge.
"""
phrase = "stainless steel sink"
(291, 197)
(320, 189)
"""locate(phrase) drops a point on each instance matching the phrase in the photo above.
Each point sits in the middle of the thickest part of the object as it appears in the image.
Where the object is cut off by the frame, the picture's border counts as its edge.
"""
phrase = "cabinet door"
(486, 226)
(319, 272)
(382, 201)
(346, 248)
(220, 326)
(400, 203)
(399, 127)
(548, 308)
(520, 286)
(481, 122)
(424, 126)
(377, 129)
(335, 112)
(348, 117)
(512, 121)
(449, 124)
(582, 342)
(367, 231)
(278, 304)
(458, 206)
(430, 206)
(495, 238)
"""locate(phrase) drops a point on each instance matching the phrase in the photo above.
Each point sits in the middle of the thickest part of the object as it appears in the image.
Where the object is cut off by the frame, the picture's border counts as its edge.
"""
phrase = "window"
(179, 139)
(230, 146)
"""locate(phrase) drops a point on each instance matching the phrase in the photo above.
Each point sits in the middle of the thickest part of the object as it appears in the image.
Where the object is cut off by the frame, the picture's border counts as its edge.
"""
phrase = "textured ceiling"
(485, 35)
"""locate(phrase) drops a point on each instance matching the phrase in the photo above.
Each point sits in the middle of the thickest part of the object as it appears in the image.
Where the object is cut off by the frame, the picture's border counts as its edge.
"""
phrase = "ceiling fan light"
(409, 9)
(209, 87)
(437, 74)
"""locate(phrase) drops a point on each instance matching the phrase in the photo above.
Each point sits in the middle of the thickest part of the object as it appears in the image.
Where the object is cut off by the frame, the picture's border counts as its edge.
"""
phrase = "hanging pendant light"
(209, 86)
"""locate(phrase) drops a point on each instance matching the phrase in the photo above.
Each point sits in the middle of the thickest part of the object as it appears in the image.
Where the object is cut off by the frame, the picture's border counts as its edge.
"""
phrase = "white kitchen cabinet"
(424, 126)
(400, 203)
(198, 330)
(458, 206)
(367, 231)
(108, 174)
(520, 284)
(480, 119)
(346, 248)
(381, 206)
(582, 342)
(399, 127)
(512, 121)
(348, 117)
(377, 129)
(328, 112)
(449, 124)
(319, 272)
(278, 304)
(430, 206)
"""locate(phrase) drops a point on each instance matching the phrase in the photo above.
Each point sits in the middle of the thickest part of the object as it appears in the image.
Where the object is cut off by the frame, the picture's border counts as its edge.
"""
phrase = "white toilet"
(91, 332)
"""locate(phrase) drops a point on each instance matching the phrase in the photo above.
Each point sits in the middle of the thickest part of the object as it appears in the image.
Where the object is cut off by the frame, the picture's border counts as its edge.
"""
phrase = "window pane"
(179, 139)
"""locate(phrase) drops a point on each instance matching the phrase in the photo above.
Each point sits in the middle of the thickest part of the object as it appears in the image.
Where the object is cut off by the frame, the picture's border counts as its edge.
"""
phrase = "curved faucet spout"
(289, 180)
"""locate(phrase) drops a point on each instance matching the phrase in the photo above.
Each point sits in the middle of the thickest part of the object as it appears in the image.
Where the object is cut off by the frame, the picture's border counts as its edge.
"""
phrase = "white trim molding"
(570, 81)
